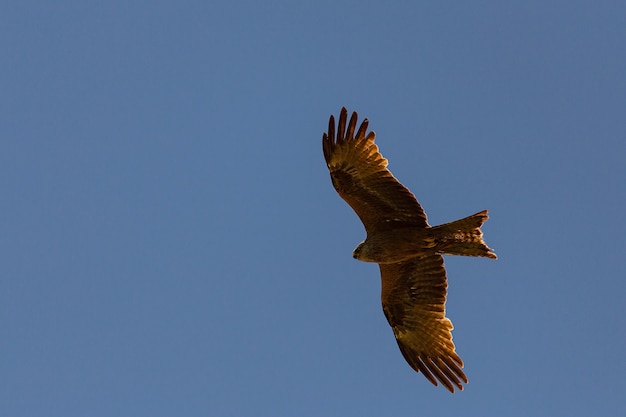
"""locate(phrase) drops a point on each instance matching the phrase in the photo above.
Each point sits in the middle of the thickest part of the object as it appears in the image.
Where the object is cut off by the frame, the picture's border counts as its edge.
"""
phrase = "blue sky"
(171, 243)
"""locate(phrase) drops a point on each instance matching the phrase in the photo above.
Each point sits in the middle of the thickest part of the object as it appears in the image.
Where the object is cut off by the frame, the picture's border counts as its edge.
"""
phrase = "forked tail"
(463, 237)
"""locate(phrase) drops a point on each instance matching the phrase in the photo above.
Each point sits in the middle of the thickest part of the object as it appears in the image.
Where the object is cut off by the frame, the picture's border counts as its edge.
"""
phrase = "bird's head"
(358, 251)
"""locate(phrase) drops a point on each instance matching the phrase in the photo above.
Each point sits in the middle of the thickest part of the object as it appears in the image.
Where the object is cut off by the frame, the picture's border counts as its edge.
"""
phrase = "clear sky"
(171, 243)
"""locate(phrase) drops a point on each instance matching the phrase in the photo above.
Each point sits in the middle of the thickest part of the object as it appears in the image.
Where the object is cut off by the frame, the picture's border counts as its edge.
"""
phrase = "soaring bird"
(406, 248)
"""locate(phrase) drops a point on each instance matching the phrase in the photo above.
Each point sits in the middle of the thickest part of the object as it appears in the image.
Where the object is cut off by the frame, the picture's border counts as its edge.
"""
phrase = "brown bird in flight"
(407, 250)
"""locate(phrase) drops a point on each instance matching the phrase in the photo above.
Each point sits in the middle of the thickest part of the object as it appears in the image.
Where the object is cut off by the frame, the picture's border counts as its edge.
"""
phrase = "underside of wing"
(359, 174)
(414, 297)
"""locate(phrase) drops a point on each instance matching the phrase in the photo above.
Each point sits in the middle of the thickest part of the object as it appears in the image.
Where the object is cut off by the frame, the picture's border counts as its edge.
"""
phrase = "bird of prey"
(406, 248)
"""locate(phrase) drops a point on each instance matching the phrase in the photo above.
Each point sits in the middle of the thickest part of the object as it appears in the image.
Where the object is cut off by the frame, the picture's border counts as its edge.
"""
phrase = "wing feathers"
(413, 297)
(360, 176)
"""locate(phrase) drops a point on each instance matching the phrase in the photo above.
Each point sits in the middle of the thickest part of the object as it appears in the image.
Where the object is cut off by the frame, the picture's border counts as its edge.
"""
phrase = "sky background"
(171, 243)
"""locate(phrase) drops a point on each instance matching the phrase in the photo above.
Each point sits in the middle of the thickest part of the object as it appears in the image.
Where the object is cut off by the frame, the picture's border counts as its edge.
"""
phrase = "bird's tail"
(463, 237)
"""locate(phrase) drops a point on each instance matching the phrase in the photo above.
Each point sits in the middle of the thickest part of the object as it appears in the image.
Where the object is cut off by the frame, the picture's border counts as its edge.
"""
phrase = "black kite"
(407, 250)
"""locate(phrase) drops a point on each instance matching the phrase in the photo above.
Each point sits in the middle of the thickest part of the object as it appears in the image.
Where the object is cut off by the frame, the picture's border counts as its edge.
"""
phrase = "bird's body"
(408, 250)
(394, 245)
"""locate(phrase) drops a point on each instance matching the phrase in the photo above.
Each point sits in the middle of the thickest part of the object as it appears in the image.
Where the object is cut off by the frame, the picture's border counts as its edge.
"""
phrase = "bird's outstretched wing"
(414, 297)
(359, 174)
